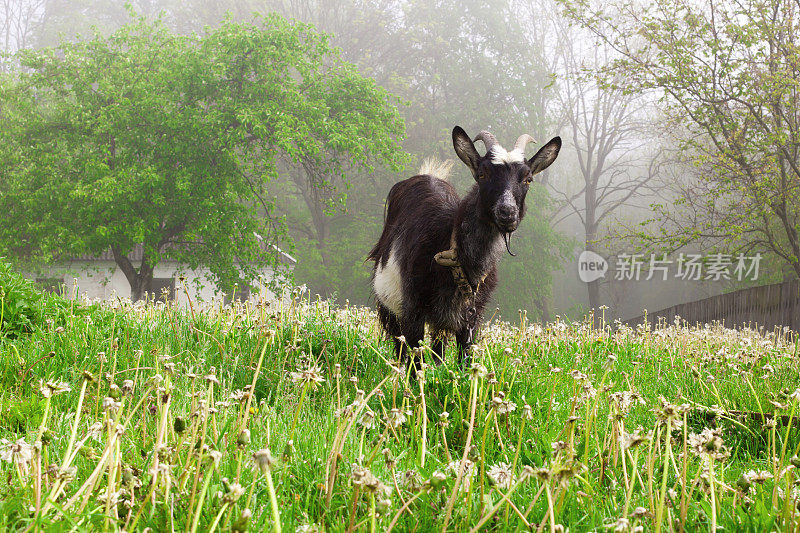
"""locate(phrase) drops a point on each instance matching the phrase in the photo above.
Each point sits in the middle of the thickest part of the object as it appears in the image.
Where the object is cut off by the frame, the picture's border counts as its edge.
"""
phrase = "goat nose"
(506, 212)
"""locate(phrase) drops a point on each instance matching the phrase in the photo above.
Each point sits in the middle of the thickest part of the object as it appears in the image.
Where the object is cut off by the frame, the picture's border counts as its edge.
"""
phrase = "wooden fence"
(768, 306)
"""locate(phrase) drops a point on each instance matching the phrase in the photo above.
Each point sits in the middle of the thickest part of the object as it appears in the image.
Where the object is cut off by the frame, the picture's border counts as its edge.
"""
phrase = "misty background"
(632, 176)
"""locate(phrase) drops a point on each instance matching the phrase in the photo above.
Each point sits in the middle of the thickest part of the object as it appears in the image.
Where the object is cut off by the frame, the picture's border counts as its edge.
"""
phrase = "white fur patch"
(438, 169)
(389, 285)
(501, 156)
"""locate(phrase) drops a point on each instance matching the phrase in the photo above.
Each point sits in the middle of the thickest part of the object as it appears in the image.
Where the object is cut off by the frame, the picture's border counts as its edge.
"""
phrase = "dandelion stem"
(276, 515)
(663, 494)
(201, 499)
(462, 465)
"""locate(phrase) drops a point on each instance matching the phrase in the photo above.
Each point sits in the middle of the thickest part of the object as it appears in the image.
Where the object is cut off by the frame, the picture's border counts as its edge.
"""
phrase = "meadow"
(293, 416)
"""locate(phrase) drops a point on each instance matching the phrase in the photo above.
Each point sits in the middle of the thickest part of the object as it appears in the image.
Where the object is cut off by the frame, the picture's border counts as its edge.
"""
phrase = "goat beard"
(507, 239)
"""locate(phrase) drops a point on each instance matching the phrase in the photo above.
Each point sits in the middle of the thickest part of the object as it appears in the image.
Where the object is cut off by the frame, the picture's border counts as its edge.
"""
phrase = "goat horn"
(523, 140)
(488, 140)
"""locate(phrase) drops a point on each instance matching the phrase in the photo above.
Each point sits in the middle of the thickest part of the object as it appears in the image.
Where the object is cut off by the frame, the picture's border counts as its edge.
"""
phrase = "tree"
(21, 19)
(439, 57)
(727, 76)
(171, 141)
(617, 158)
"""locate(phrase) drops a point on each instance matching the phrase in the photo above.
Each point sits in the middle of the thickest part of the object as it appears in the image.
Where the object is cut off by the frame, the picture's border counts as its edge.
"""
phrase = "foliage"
(726, 75)
(228, 418)
(24, 308)
(150, 137)
(439, 58)
(19, 303)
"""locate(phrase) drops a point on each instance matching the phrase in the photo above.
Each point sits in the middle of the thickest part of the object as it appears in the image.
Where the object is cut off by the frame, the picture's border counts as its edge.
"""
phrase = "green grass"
(168, 427)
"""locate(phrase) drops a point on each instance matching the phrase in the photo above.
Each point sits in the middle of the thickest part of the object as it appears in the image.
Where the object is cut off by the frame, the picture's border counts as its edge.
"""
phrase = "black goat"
(436, 260)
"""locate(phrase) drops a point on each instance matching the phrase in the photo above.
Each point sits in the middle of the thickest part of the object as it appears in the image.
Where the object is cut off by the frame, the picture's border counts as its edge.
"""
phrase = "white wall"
(104, 280)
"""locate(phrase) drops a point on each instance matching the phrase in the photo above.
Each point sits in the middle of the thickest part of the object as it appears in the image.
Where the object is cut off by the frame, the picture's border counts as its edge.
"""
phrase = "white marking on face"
(501, 156)
(508, 198)
(389, 285)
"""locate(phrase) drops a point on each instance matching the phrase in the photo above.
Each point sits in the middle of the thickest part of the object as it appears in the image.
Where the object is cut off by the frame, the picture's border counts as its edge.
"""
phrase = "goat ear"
(545, 156)
(465, 149)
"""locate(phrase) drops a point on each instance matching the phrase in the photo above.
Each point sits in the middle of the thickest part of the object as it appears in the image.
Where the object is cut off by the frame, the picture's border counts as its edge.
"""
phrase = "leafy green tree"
(171, 141)
(727, 76)
(475, 63)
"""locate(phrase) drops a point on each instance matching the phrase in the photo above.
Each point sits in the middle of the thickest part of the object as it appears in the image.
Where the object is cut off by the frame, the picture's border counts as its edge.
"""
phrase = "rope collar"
(449, 258)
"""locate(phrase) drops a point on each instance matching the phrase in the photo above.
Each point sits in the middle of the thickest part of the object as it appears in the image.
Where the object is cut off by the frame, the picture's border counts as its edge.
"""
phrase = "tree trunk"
(141, 282)
(593, 287)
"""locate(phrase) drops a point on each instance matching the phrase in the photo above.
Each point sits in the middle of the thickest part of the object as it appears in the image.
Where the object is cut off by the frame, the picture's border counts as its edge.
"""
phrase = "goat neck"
(478, 240)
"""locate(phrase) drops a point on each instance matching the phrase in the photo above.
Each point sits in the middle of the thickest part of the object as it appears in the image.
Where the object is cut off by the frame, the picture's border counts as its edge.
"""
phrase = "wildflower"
(444, 417)
(263, 460)
(410, 480)
(558, 446)
(759, 476)
(621, 403)
(114, 391)
(632, 440)
(795, 396)
(622, 525)
(505, 407)
(501, 475)
(19, 452)
(127, 386)
(234, 492)
(383, 504)
(363, 477)
(368, 419)
(213, 457)
(311, 375)
(110, 405)
(53, 388)
(244, 438)
(437, 479)
(639, 512)
(477, 371)
(670, 412)
(112, 498)
(389, 458)
(778, 405)
(359, 397)
(708, 443)
(66, 474)
(396, 418)
(527, 412)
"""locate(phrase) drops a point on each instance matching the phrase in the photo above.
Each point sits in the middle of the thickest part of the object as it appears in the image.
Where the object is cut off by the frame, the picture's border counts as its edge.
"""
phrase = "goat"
(436, 259)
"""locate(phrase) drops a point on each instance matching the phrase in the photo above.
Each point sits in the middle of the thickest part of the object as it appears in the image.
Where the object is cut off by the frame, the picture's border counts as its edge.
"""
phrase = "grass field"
(294, 418)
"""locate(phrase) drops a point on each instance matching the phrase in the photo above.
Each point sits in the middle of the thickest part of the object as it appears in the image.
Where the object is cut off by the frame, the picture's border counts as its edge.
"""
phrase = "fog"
(632, 176)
